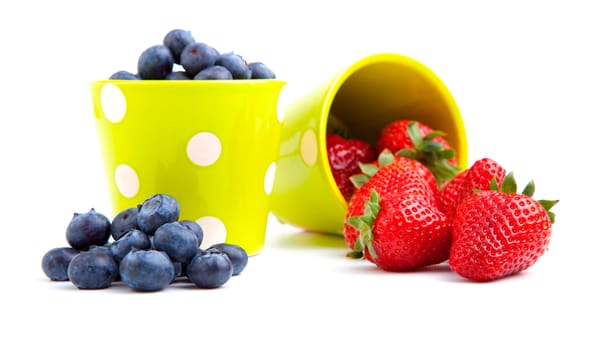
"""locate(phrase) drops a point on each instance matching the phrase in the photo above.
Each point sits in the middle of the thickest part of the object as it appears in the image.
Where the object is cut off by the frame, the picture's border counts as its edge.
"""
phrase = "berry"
(401, 233)
(156, 211)
(497, 232)
(386, 157)
(124, 75)
(132, 239)
(147, 271)
(178, 241)
(477, 177)
(260, 71)
(210, 269)
(143, 262)
(215, 72)
(197, 56)
(235, 253)
(392, 179)
(55, 263)
(177, 75)
(123, 222)
(87, 229)
(235, 64)
(418, 141)
(92, 270)
(155, 62)
(344, 156)
(194, 227)
(176, 40)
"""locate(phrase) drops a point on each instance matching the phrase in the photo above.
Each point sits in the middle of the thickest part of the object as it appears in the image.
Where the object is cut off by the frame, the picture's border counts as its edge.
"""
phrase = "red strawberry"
(394, 178)
(344, 156)
(401, 232)
(386, 157)
(477, 177)
(415, 140)
(497, 233)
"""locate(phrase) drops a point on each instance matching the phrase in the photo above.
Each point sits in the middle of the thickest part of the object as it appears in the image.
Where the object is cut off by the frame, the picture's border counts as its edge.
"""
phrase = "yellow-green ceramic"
(213, 145)
(362, 98)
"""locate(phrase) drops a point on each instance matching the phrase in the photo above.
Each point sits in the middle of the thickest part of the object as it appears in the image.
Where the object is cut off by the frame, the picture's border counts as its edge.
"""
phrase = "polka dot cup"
(362, 99)
(212, 145)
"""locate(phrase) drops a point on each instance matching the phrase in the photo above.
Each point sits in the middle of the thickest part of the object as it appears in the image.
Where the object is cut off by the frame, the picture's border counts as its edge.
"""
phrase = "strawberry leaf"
(529, 189)
(431, 153)
(368, 169)
(548, 204)
(359, 180)
(493, 185)
(364, 224)
(385, 157)
(415, 134)
(509, 184)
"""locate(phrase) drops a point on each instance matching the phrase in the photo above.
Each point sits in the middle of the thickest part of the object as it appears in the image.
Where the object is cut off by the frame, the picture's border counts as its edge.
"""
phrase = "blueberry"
(123, 222)
(178, 241)
(155, 63)
(156, 211)
(92, 270)
(235, 253)
(235, 64)
(177, 75)
(214, 73)
(261, 71)
(194, 227)
(209, 270)
(197, 56)
(132, 239)
(147, 270)
(176, 40)
(124, 75)
(87, 229)
(55, 263)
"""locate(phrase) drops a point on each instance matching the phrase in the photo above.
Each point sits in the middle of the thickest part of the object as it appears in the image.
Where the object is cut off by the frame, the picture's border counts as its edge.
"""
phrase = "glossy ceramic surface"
(213, 145)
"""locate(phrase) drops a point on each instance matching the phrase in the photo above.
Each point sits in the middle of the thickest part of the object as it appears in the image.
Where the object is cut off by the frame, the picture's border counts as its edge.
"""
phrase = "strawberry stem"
(431, 153)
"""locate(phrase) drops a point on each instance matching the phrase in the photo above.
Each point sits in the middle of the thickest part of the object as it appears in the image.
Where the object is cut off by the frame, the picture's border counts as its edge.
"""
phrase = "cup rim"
(190, 82)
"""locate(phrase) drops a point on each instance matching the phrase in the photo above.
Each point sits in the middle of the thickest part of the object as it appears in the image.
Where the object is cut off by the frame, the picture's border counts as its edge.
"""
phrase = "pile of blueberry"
(181, 57)
(146, 247)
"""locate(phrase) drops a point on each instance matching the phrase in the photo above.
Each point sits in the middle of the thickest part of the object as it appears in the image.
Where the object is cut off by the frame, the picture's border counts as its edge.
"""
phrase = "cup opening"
(386, 87)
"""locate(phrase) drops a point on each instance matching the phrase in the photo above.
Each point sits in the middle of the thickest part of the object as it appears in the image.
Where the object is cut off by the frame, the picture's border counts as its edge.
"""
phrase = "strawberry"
(344, 156)
(497, 232)
(415, 140)
(386, 157)
(402, 232)
(477, 177)
(402, 188)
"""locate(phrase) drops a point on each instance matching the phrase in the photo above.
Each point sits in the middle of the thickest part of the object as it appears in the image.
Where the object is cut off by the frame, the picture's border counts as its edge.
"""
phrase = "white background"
(520, 71)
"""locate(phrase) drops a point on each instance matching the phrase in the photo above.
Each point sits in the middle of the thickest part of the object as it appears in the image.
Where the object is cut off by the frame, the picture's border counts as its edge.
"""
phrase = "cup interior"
(384, 88)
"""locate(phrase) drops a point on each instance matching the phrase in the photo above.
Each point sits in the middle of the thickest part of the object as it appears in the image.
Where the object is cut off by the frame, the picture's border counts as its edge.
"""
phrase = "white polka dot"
(281, 104)
(309, 148)
(126, 180)
(269, 178)
(204, 148)
(113, 102)
(214, 231)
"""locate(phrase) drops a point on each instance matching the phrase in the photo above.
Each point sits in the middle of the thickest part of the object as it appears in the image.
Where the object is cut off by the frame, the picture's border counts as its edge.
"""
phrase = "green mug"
(362, 98)
(212, 145)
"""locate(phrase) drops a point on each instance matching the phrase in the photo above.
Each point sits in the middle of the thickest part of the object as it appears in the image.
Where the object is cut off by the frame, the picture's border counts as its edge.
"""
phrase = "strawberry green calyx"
(509, 186)
(369, 169)
(430, 152)
(364, 224)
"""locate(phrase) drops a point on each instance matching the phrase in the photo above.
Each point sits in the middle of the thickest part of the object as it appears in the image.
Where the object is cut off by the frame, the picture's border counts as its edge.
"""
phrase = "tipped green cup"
(213, 145)
(362, 98)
